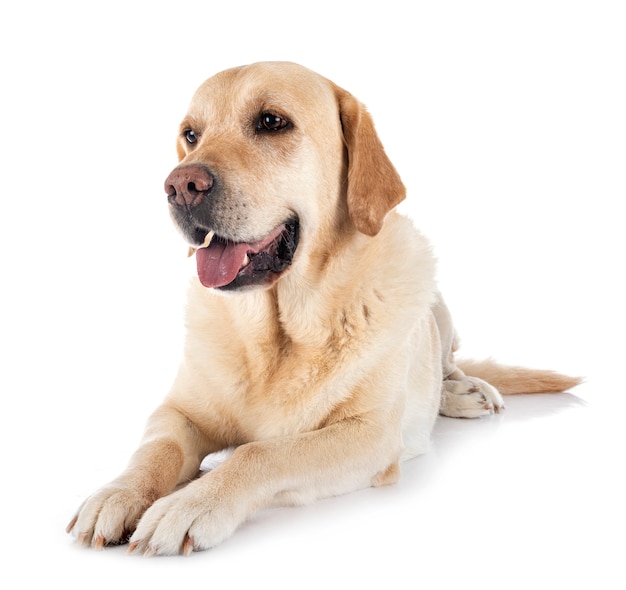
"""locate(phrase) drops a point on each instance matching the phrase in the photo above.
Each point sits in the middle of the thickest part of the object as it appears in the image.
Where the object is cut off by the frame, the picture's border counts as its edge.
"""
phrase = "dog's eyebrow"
(189, 123)
(268, 101)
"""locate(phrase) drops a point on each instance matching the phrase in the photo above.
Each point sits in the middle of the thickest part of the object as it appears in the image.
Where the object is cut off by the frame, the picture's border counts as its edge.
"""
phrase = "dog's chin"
(255, 280)
(229, 266)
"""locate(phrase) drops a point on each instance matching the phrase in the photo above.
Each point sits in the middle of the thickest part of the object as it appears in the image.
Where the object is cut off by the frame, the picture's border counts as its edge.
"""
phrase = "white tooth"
(246, 261)
(207, 239)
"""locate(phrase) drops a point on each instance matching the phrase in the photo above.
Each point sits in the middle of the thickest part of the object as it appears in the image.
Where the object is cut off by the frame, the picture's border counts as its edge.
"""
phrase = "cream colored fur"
(327, 379)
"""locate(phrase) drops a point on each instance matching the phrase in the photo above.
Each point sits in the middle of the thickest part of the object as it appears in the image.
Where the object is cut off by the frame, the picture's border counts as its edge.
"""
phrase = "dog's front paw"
(191, 519)
(470, 397)
(109, 516)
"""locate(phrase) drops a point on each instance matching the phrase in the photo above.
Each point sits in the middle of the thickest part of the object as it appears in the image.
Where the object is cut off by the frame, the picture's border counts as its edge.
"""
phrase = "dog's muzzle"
(222, 262)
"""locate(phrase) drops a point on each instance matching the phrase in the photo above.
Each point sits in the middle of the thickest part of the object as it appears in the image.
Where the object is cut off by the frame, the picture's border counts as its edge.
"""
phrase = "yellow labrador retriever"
(318, 346)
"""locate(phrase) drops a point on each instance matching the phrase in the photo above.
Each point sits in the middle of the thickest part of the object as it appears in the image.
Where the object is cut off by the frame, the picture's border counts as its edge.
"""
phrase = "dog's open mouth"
(233, 265)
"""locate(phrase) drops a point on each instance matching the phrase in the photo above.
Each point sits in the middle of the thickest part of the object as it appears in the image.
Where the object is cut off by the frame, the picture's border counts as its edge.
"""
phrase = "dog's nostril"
(200, 185)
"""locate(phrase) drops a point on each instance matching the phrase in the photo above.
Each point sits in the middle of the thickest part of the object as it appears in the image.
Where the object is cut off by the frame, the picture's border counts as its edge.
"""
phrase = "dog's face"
(275, 161)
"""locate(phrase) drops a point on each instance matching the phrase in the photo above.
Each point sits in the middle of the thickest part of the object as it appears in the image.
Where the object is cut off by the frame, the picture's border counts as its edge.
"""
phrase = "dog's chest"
(261, 382)
(293, 394)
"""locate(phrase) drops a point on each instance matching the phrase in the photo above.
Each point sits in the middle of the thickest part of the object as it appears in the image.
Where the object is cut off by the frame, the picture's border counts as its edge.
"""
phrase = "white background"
(507, 123)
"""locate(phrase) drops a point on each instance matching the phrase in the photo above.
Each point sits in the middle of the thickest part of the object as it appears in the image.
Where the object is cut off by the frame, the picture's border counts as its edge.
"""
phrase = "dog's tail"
(509, 379)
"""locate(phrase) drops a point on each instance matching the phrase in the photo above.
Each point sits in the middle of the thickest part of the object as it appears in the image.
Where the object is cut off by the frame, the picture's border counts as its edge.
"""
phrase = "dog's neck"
(317, 302)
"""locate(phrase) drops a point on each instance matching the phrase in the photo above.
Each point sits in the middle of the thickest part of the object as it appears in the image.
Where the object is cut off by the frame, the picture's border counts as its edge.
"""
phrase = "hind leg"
(462, 396)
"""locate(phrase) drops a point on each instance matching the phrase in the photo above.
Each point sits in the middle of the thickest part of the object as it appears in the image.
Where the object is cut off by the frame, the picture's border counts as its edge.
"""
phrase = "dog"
(318, 346)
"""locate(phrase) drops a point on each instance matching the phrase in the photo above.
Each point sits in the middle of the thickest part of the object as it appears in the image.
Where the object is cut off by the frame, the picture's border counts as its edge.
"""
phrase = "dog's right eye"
(190, 136)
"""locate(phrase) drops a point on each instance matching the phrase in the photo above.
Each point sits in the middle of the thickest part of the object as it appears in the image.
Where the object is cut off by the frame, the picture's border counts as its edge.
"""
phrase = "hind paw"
(469, 397)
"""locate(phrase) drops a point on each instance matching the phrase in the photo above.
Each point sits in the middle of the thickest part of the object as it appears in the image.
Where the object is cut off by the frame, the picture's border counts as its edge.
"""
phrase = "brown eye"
(271, 122)
(190, 136)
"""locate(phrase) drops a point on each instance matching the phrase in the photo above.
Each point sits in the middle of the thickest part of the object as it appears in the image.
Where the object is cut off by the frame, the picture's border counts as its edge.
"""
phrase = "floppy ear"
(374, 185)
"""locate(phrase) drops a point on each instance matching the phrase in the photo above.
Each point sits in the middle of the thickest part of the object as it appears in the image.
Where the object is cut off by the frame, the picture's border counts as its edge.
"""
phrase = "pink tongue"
(219, 264)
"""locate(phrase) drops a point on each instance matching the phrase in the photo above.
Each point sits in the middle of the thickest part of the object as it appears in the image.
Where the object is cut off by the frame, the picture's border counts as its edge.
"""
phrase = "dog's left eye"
(271, 122)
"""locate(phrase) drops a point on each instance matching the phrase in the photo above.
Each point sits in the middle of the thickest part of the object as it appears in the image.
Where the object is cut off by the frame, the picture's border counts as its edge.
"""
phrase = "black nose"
(187, 186)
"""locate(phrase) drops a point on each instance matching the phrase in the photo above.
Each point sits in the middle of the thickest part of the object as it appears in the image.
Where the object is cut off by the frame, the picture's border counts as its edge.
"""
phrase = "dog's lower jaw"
(261, 270)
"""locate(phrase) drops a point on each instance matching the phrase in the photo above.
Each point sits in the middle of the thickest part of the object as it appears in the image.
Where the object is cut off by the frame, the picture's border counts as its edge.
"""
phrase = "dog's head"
(277, 164)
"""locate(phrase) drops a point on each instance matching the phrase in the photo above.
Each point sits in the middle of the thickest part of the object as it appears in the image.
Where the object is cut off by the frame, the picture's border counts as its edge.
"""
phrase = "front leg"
(348, 455)
(170, 453)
